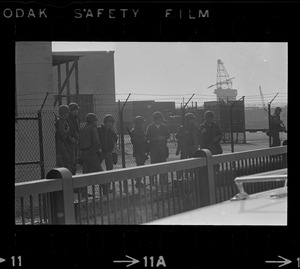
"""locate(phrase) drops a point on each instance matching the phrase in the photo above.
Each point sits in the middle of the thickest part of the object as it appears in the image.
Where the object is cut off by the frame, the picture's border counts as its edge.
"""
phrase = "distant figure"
(158, 134)
(140, 144)
(139, 141)
(89, 145)
(74, 134)
(210, 134)
(108, 140)
(188, 137)
(62, 139)
(276, 126)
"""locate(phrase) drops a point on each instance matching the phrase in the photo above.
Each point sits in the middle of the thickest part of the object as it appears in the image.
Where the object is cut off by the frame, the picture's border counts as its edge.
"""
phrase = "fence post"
(41, 144)
(122, 137)
(62, 202)
(207, 179)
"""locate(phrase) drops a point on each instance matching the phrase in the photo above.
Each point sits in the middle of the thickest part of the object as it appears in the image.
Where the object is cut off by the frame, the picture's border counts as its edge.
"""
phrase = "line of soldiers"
(90, 145)
(190, 138)
(95, 144)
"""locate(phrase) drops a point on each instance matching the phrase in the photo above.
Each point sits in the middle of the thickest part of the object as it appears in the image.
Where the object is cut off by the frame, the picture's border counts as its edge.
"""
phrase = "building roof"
(61, 59)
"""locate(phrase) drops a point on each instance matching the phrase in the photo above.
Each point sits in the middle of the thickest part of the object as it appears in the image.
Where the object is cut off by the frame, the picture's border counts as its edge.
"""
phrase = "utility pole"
(231, 123)
(121, 110)
(269, 117)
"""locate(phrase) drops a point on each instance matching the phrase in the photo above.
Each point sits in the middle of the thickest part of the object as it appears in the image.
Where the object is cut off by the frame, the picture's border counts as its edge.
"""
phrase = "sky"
(180, 69)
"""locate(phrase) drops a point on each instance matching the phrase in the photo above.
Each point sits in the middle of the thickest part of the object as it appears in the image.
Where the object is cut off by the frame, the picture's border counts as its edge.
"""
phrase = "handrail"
(277, 175)
(135, 172)
(243, 155)
(37, 187)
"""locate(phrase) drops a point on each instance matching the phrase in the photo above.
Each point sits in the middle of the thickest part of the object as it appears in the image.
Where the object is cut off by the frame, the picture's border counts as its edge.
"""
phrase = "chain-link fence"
(28, 164)
(35, 133)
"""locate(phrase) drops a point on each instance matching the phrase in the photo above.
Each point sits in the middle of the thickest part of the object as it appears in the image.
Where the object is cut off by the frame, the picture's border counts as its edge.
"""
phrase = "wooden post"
(68, 83)
(76, 81)
(62, 202)
(59, 85)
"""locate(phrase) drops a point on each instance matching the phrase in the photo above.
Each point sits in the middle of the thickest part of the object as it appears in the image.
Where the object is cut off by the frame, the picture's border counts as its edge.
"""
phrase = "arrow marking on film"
(284, 262)
(2, 260)
(132, 261)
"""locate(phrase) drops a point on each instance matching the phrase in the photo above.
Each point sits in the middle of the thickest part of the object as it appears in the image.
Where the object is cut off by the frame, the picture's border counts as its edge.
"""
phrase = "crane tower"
(224, 90)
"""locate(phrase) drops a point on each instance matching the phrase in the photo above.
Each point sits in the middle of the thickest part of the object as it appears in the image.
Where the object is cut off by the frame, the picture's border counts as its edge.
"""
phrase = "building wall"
(33, 74)
(96, 76)
(33, 80)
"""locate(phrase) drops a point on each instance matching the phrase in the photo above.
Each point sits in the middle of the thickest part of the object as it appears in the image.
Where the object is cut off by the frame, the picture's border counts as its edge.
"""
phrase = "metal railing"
(229, 166)
(167, 189)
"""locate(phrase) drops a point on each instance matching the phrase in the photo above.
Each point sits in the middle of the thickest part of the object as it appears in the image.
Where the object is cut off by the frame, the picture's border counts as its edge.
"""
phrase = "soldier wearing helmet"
(188, 137)
(89, 145)
(139, 143)
(108, 140)
(158, 134)
(210, 134)
(276, 126)
(62, 138)
(74, 124)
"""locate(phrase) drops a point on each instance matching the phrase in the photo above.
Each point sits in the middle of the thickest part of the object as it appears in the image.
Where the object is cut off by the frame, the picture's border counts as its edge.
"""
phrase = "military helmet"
(139, 120)
(209, 114)
(63, 109)
(90, 117)
(73, 106)
(157, 115)
(278, 109)
(109, 118)
(189, 116)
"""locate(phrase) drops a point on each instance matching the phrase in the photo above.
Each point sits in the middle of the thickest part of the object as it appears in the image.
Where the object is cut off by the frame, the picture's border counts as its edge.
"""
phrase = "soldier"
(139, 141)
(62, 139)
(188, 137)
(89, 145)
(140, 144)
(74, 134)
(158, 134)
(210, 134)
(276, 126)
(108, 140)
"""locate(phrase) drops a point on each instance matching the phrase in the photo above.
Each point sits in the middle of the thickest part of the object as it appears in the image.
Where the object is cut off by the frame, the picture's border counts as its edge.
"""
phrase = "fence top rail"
(136, 172)
(46, 186)
(249, 154)
(37, 187)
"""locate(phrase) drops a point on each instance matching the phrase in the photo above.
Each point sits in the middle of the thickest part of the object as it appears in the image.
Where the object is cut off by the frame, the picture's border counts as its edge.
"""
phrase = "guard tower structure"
(224, 90)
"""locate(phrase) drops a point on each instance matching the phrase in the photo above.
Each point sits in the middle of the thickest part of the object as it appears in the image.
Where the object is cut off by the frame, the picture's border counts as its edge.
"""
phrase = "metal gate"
(29, 154)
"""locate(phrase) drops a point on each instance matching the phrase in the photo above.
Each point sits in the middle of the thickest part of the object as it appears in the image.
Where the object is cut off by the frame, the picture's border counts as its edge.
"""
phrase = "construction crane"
(262, 99)
(223, 79)
(223, 88)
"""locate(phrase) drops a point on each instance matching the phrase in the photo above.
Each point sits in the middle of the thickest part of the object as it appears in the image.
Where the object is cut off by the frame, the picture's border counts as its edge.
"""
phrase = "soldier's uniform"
(188, 138)
(276, 127)
(140, 145)
(62, 139)
(108, 139)
(139, 142)
(74, 135)
(158, 134)
(159, 151)
(89, 145)
(208, 132)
